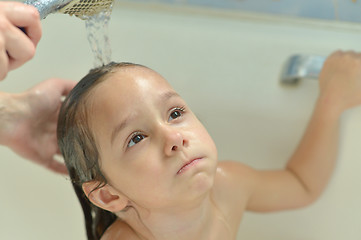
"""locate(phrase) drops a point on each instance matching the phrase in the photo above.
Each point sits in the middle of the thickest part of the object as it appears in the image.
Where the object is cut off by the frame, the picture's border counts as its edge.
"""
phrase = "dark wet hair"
(79, 149)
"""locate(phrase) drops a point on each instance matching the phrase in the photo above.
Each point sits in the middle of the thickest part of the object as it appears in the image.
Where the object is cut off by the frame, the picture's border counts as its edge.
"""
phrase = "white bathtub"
(227, 66)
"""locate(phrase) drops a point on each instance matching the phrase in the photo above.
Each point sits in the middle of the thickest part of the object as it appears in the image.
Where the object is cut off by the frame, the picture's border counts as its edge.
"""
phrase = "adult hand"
(28, 122)
(16, 47)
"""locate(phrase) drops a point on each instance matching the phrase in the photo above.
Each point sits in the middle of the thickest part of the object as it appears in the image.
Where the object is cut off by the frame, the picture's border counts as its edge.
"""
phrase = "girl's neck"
(192, 222)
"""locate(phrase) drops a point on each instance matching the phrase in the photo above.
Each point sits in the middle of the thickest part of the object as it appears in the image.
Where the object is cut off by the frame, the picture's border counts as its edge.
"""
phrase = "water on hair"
(98, 36)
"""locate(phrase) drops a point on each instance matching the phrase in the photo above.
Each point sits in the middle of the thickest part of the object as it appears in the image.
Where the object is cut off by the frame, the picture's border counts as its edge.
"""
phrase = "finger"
(57, 167)
(68, 86)
(336, 54)
(19, 48)
(4, 64)
(25, 16)
(65, 86)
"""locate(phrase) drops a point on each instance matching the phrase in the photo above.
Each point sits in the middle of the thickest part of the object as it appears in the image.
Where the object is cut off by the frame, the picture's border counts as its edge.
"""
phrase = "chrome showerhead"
(79, 8)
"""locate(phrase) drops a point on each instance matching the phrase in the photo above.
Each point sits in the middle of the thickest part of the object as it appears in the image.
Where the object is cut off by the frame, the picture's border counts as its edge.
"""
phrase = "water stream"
(98, 36)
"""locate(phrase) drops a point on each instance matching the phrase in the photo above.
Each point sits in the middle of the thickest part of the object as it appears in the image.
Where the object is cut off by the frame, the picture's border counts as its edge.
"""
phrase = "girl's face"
(153, 149)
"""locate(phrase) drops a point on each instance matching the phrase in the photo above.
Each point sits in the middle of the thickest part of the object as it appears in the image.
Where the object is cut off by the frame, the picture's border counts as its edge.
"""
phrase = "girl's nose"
(174, 141)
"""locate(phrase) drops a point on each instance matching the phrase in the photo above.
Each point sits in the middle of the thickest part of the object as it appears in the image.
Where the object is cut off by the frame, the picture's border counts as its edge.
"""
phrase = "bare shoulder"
(234, 173)
(232, 185)
(119, 230)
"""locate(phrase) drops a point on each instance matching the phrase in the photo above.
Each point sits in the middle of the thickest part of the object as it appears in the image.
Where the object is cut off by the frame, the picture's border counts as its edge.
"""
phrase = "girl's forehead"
(137, 79)
(130, 86)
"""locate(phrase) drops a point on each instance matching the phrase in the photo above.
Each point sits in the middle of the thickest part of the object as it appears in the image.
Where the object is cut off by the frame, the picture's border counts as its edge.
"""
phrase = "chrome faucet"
(301, 66)
(79, 8)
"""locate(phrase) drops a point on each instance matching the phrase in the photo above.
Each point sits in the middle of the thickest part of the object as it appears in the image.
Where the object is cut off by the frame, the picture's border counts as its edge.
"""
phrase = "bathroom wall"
(226, 64)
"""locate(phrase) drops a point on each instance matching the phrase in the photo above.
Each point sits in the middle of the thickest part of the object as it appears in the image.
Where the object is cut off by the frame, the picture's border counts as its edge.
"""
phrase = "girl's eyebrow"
(163, 98)
(118, 128)
(167, 95)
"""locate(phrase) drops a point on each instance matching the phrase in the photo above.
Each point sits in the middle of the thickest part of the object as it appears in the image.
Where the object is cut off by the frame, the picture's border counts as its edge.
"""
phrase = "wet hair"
(79, 149)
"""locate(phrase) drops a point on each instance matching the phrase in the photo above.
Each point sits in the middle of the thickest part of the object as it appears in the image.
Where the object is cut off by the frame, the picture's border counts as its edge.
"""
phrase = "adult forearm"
(10, 112)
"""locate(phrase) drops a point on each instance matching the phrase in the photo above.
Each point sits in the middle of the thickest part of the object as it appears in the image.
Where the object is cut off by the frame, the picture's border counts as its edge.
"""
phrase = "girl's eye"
(176, 113)
(135, 139)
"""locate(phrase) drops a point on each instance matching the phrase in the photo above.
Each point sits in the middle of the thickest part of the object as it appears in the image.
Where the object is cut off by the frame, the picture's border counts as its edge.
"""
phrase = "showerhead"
(78, 8)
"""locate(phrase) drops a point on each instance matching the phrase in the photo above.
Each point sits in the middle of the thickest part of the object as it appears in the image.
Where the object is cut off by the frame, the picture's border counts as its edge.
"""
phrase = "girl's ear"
(105, 197)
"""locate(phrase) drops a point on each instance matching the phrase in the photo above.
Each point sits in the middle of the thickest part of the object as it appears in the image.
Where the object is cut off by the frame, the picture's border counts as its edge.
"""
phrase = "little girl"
(144, 167)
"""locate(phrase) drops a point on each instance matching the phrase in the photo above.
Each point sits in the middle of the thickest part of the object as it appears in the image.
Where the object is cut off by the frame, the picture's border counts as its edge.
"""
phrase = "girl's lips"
(188, 165)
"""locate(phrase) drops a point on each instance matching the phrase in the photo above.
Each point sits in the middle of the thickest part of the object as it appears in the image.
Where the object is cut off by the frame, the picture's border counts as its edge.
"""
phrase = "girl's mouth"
(188, 165)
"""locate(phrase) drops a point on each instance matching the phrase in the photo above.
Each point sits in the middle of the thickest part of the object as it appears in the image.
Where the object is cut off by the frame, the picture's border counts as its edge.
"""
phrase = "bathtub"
(227, 66)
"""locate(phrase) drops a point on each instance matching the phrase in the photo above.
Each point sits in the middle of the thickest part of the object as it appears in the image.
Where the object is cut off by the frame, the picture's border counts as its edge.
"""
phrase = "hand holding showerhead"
(95, 12)
(16, 48)
(79, 8)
